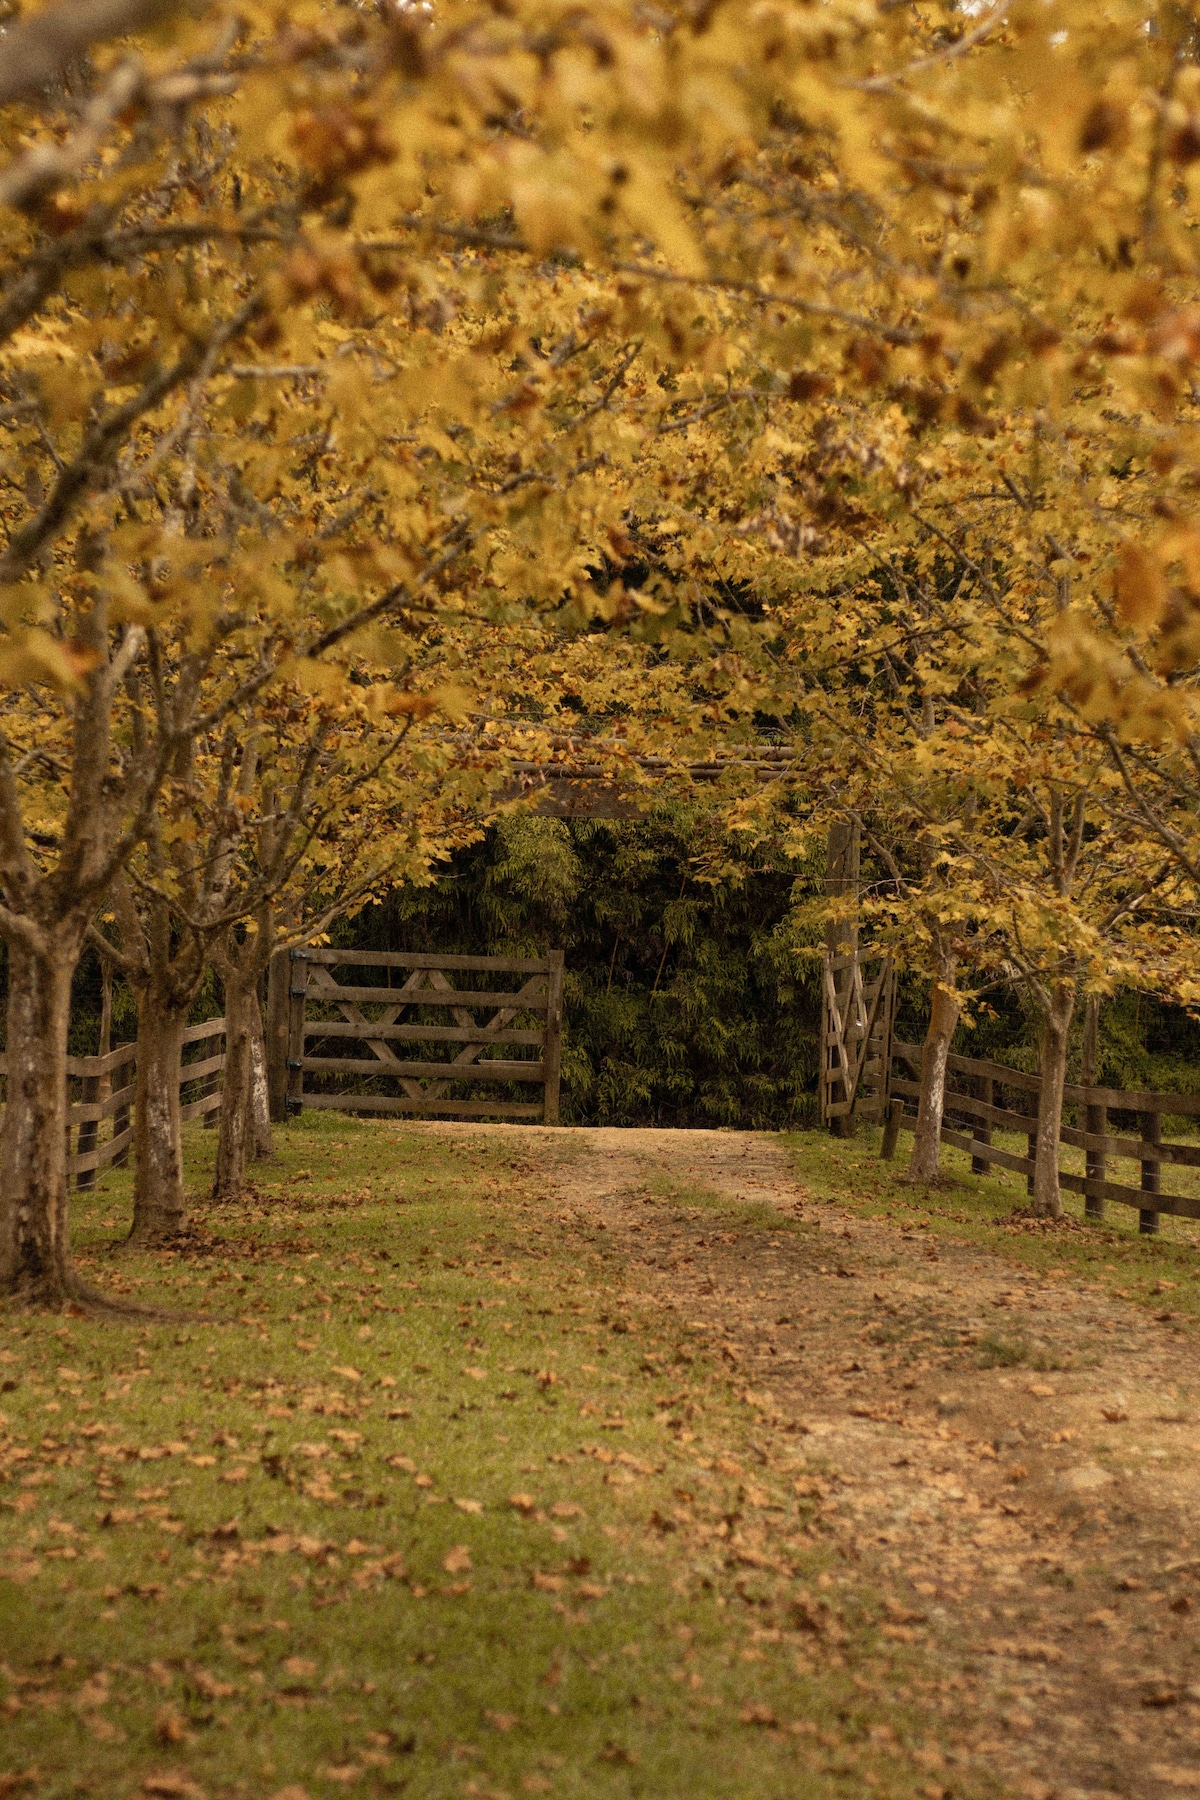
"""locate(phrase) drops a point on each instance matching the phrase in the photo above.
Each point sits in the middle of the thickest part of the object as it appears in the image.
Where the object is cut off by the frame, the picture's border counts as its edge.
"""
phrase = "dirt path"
(1032, 1526)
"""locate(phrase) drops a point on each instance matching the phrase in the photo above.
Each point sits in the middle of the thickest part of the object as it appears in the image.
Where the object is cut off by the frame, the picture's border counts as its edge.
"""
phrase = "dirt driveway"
(1011, 1460)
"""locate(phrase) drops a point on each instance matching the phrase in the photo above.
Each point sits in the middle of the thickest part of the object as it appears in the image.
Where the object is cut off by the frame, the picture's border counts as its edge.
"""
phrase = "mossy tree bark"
(35, 1249)
(943, 1022)
(159, 1199)
(245, 1123)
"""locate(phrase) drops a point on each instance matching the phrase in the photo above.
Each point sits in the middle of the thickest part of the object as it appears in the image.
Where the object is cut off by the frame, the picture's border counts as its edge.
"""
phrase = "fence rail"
(86, 1115)
(423, 1084)
(972, 1102)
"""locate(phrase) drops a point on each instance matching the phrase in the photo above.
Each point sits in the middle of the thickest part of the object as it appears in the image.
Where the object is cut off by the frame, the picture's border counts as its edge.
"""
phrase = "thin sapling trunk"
(1055, 1043)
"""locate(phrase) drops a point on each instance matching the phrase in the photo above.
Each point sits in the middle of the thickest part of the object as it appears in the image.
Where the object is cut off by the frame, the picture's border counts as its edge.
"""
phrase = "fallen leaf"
(172, 1787)
(469, 1506)
(210, 1688)
(457, 1561)
(346, 1373)
(757, 1715)
(617, 1753)
(170, 1727)
(300, 1666)
(501, 1721)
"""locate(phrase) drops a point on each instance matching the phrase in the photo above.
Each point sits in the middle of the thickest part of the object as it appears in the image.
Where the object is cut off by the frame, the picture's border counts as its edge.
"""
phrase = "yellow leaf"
(1141, 588)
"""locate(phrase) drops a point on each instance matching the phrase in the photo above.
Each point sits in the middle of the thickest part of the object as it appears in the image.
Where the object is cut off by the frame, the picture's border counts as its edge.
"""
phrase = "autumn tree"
(592, 309)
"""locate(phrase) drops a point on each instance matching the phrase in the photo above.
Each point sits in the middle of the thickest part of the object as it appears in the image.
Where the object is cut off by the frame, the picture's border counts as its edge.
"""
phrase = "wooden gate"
(856, 1036)
(425, 1086)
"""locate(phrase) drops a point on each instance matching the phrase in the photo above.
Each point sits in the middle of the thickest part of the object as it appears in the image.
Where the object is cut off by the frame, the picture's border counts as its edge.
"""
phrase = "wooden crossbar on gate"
(856, 1033)
(422, 1084)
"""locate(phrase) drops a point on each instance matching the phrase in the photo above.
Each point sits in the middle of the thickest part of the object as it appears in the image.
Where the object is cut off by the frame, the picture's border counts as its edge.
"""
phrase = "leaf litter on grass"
(289, 1555)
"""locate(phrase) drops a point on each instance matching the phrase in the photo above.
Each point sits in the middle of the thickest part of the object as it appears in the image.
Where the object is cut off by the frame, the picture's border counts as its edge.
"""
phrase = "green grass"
(430, 1499)
(1161, 1273)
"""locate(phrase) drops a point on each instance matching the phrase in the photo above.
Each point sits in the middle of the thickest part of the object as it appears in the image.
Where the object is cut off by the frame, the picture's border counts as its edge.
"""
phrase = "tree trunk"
(1055, 1042)
(260, 1140)
(943, 1022)
(159, 1205)
(35, 1250)
(843, 854)
(237, 1088)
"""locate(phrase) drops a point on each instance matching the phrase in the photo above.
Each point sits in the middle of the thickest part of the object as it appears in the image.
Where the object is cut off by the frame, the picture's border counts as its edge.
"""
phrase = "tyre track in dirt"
(1033, 1530)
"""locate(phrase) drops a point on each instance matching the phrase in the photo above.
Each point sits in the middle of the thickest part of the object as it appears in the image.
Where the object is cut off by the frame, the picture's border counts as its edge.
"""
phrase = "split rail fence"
(432, 985)
(91, 1107)
(983, 1096)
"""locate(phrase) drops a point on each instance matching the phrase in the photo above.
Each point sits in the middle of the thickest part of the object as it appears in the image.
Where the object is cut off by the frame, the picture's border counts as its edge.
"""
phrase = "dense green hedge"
(687, 1002)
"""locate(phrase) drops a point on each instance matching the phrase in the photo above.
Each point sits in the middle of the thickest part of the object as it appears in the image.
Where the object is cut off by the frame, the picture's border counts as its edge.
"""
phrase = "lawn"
(1162, 1272)
(417, 1493)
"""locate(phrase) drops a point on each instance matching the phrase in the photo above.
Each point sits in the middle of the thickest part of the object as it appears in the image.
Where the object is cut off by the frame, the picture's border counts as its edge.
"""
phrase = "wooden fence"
(856, 1029)
(982, 1096)
(90, 1106)
(425, 1086)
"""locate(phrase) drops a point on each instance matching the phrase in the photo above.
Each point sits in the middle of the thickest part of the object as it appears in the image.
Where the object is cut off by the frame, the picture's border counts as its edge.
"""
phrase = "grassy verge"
(427, 1500)
(1162, 1273)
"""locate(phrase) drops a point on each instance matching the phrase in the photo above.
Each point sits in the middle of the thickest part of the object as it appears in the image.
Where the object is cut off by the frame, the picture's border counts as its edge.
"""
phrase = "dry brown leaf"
(170, 1727)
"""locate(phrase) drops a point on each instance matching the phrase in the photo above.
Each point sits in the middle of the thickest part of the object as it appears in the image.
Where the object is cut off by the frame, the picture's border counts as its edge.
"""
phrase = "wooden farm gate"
(425, 1085)
(982, 1096)
(856, 1035)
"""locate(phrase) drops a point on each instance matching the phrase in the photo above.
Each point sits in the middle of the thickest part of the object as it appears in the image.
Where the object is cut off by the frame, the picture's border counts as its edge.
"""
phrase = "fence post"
(121, 1116)
(278, 975)
(1151, 1173)
(984, 1090)
(1096, 1123)
(88, 1134)
(1095, 1118)
(215, 1083)
(891, 1128)
(297, 1004)
(552, 1041)
(1031, 1148)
